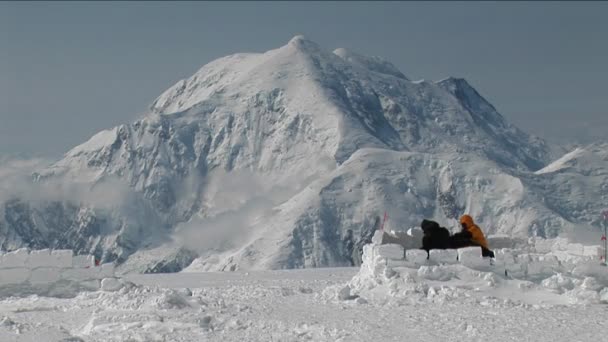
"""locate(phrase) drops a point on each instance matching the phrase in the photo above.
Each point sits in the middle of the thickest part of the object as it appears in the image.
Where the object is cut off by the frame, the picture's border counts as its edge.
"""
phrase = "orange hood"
(466, 219)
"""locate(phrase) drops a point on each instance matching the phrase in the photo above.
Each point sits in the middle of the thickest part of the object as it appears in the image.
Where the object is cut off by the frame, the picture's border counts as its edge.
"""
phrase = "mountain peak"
(364, 101)
(303, 44)
(297, 39)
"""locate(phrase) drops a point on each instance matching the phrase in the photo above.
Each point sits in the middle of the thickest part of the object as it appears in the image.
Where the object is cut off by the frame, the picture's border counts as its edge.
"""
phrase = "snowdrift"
(52, 272)
(546, 272)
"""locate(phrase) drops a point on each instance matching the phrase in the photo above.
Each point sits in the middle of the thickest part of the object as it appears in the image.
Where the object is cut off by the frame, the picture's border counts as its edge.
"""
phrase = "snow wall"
(50, 272)
(568, 273)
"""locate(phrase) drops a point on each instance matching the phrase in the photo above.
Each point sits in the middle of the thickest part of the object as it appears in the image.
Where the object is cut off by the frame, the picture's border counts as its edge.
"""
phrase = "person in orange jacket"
(471, 235)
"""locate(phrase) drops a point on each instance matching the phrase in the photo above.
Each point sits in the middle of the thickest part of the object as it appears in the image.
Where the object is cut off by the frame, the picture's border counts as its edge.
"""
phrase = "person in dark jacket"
(435, 236)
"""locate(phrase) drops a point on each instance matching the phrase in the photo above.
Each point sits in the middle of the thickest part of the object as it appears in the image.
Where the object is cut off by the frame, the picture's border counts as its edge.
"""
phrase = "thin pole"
(605, 237)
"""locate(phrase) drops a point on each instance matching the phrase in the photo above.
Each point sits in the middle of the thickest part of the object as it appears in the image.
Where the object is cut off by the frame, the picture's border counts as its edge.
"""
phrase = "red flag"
(603, 237)
(383, 221)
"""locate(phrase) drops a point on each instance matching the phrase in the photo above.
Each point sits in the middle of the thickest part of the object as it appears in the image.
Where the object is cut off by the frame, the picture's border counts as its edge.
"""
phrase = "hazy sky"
(68, 70)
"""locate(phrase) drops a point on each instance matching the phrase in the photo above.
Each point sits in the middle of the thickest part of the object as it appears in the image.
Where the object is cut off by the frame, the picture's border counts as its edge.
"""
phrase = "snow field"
(430, 303)
(261, 306)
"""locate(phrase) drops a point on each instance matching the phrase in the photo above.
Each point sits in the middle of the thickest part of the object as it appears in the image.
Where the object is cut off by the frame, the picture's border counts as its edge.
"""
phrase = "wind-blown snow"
(579, 159)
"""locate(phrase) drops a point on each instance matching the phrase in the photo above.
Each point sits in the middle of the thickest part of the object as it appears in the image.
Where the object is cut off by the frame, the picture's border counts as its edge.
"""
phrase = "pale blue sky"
(68, 70)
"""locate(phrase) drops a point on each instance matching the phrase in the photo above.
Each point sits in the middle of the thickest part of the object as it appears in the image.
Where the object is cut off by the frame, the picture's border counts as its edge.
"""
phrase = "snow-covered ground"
(308, 305)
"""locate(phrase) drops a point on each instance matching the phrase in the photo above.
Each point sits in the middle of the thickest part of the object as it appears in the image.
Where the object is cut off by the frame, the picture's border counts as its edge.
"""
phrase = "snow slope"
(265, 160)
(576, 188)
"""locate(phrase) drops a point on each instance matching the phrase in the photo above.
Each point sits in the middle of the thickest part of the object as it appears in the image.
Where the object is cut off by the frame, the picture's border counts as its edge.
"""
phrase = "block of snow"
(526, 258)
(417, 256)
(558, 283)
(505, 241)
(345, 293)
(107, 270)
(559, 244)
(92, 285)
(604, 295)
(499, 241)
(62, 258)
(469, 252)
(594, 270)
(602, 252)
(550, 261)
(45, 275)
(593, 251)
(39, 258)
(576, 249)
(14, 275)
(590, 283)
(15, 259)
(392, 263)
(471, 257)
(401, 238)
(110, 284)
(517, 271)
(539, 270)
(444, 256)
(415, 233)
(543, 246)
(83, 261)
(80, 274)
(377, 238)
(390, 251)
(368, 254)
(505, 256)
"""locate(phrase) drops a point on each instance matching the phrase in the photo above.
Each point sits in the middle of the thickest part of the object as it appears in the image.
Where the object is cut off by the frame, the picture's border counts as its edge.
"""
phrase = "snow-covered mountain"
(266, 160)
(575, 187)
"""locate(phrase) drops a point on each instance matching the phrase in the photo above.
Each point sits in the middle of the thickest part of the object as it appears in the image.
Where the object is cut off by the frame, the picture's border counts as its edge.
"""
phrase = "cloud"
(16, 175)
(233, 203)
(17, 182)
